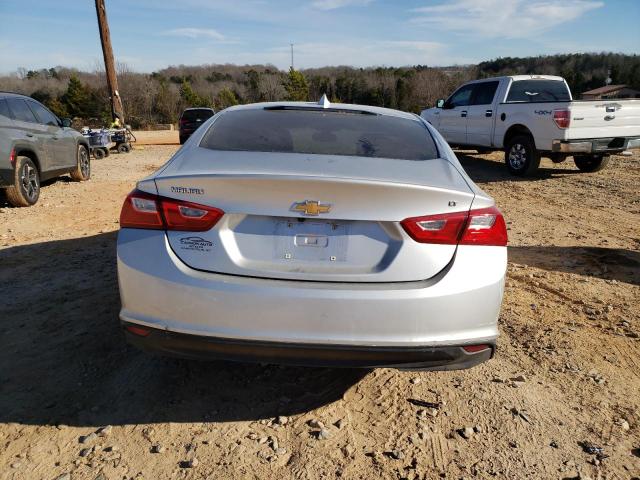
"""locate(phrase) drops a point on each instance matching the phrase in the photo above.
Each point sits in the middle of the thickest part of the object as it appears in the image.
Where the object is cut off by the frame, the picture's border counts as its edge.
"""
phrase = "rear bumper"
(214, 348)
(596, 145)
(459, 306)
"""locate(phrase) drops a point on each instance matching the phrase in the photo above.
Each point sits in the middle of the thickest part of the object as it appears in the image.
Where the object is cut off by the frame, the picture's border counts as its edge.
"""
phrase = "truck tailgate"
(603, 119)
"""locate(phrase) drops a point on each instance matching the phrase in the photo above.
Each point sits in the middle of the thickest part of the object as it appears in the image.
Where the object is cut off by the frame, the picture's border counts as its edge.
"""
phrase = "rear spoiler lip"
(313, 108)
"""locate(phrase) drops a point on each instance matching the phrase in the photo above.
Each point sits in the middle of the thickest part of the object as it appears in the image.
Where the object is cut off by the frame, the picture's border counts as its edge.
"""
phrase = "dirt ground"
(560, 400)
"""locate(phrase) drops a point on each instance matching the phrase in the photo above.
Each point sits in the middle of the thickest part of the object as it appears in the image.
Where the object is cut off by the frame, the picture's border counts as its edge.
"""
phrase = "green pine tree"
(76, 99)
(225, 98)
(191, 98)
(296, 86)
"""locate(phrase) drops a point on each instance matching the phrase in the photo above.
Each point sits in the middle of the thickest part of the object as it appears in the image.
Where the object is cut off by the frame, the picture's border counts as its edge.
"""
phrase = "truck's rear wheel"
(591, 163)
(521, 156)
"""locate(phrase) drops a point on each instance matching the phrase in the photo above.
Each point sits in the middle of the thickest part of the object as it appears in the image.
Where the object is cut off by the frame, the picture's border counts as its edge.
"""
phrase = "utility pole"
(291, 55)
(109, 65)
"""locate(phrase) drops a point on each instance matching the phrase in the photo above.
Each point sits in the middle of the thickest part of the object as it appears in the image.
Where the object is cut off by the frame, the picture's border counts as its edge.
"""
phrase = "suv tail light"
(483, 226)
(12, 157)
(145, 210)
(562, 118)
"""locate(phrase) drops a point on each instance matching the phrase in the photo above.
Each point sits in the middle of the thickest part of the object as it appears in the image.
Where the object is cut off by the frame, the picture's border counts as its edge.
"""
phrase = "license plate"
(311, 241)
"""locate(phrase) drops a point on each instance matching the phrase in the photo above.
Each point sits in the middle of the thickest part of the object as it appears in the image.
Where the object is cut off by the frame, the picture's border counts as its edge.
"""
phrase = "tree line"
(160, 97)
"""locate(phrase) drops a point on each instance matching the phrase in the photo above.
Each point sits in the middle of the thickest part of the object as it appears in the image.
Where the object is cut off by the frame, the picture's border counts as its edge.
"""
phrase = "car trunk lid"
(313, 217)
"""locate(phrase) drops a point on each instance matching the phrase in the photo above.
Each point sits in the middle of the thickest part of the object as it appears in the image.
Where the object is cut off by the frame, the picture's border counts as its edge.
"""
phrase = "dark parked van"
(191, 119)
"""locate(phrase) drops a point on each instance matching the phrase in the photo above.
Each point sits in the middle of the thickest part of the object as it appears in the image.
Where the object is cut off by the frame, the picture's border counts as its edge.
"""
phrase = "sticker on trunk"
(195, 243)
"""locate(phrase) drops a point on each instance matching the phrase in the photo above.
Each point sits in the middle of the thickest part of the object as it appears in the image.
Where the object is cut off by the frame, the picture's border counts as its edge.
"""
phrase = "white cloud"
(503, 18)
(334, 4)
(190, 32)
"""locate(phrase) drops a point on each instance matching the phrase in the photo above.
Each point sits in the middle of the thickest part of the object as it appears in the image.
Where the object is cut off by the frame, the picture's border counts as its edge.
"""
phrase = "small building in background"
(611, 91)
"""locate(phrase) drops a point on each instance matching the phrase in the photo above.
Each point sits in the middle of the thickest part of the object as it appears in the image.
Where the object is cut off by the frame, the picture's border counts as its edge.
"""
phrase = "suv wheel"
(591, 163)
(26, 184)
(82, 172)
(521, 156)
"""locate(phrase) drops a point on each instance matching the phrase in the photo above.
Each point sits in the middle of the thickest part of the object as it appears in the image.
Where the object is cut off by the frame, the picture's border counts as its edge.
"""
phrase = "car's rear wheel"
(82, 172)
(99, 153)
(521, 156)
(591, 163)
(25, 190)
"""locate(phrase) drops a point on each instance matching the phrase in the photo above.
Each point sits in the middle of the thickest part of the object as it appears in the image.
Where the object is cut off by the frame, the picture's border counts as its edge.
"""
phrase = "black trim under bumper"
(351, 356)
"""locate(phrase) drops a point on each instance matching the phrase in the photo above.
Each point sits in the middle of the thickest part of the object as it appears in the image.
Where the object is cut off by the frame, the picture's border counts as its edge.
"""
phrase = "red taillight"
(137, 330)
(140, 210)
(484, 226)
(12, 157)
(144, 210)
(475, 348)
(444, 228)
(562, 118)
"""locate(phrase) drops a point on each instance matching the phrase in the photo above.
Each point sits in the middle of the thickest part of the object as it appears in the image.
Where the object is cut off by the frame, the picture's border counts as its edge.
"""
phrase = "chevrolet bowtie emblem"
(311, 207)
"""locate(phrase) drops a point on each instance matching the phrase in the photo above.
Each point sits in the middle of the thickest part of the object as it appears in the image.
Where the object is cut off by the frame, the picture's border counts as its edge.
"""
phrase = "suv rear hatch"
(192, 119)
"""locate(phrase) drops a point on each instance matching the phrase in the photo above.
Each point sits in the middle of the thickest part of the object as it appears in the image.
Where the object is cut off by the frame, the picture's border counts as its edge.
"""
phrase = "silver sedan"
(313, 234)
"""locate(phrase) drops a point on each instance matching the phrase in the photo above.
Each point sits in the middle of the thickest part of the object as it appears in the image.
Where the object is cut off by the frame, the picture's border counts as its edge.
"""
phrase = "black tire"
(99, 153)
(521, 156)
(25, 190)
(106, 152)
(82, 172)
(124, 148)
(591, 163)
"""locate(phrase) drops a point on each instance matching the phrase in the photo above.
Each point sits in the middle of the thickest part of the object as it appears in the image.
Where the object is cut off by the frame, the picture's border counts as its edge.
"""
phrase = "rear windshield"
(192, 115)
(538, 91)
(321, 132)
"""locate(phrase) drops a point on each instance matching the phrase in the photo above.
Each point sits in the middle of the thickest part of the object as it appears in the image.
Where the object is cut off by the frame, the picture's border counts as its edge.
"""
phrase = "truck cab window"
(461, 98)
(483, 93)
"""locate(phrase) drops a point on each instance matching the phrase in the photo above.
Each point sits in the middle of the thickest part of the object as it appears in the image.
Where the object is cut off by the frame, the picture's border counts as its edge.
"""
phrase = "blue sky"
(148, 35)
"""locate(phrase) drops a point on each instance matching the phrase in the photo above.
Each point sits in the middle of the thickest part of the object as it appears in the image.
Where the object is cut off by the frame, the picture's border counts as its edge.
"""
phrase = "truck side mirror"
(440, 103)
(66, 122)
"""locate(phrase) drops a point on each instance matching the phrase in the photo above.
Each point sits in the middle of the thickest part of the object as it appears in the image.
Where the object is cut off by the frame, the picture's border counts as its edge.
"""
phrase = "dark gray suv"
(36, 145)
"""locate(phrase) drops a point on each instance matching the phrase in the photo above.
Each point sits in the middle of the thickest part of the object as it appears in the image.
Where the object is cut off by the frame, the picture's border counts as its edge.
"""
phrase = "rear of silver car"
(289, 234)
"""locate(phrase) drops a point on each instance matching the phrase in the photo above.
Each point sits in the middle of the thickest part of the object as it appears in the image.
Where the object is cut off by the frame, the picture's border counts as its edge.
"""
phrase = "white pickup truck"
(529, 116)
